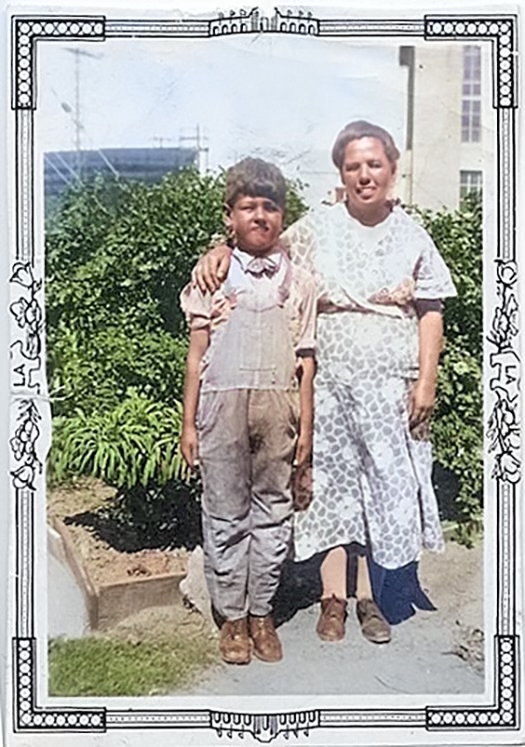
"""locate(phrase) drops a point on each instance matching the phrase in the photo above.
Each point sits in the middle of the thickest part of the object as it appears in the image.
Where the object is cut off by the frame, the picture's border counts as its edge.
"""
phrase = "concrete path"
(67, 612)
(421, 658)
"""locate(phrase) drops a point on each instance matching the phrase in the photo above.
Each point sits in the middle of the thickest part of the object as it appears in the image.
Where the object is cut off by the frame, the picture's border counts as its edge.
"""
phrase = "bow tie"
(259, 266)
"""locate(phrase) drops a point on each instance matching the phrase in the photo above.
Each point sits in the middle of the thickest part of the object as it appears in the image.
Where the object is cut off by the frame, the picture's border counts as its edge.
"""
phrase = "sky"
(280, 97)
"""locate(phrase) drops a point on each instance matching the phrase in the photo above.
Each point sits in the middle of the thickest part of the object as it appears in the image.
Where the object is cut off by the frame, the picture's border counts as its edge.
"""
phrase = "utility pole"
(77, 120)
(201, 146)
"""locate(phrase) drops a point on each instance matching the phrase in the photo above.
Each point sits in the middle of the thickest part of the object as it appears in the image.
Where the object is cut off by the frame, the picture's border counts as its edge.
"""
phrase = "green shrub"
(96, 369)
(457, 425)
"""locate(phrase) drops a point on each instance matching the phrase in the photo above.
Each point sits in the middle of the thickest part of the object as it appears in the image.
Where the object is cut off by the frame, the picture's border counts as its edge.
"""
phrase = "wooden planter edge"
(108, 604)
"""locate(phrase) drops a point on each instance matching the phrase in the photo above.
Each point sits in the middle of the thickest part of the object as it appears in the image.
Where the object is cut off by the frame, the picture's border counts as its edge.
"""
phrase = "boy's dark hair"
(255, 178)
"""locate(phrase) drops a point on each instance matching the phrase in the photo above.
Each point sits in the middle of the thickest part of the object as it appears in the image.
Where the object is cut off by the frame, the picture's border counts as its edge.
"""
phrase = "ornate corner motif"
(25, 33)
(502, 32)
(502, 715)
(241, 21)
(26, 311)
(28, 716)
(264, 727)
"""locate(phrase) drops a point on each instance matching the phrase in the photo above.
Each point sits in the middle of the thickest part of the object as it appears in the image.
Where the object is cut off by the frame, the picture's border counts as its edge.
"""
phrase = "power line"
(57, 171)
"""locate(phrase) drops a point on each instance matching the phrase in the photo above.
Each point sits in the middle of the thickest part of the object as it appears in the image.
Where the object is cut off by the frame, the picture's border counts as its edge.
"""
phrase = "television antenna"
(76, 110)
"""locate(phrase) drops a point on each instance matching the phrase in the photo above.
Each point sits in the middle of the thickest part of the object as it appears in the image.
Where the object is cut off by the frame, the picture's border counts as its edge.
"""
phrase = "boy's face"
(256, 223)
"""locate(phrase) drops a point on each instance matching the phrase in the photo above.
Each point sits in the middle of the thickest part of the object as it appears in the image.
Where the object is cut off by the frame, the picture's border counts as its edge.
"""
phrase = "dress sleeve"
(298, 241)
(432, 276)
(197, 307)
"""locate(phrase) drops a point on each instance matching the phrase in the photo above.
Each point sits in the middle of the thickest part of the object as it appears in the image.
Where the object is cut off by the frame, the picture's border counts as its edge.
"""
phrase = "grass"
(104, 667)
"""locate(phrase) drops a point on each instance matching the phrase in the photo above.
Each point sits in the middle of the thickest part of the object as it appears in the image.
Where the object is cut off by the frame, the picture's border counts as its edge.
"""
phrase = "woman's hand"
(422, 401)
(423, 394)
(211, 270)
(189, 445)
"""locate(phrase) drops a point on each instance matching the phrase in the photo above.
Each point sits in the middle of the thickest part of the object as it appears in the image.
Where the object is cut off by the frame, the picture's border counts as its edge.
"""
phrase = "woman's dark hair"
(357, 130)
(255, 178)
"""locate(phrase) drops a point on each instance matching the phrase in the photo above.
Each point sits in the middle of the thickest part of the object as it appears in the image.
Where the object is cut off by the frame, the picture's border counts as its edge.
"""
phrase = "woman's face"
(367, 175)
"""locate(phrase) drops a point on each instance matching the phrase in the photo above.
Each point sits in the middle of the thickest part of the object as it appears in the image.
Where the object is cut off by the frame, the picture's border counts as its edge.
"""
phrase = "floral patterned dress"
(372, 476)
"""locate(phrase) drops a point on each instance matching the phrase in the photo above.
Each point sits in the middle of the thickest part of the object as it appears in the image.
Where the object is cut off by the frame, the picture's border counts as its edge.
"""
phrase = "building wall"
(429, 173)
(430, 170)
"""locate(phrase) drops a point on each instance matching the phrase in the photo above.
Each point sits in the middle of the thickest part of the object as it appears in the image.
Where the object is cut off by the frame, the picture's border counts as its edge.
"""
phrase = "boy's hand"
(189, 446)
(302, 480)
(303, 450)
(211, 270)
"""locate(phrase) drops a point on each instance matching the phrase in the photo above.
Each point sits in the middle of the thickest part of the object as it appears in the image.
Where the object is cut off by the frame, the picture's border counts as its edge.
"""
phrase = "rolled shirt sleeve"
(197, 307)
(307, 331)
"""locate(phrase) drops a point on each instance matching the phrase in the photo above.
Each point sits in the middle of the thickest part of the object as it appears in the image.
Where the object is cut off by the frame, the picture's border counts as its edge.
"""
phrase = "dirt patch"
(470, 646)
(162, 623)
(104, 563)
(454, 581)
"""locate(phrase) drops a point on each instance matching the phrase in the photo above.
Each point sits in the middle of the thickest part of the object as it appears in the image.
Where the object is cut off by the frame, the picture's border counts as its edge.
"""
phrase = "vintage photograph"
(378, 189)
(261, 261)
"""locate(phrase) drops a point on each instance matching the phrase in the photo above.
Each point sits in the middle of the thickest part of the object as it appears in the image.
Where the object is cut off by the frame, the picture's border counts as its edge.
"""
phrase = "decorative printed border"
(28, 376)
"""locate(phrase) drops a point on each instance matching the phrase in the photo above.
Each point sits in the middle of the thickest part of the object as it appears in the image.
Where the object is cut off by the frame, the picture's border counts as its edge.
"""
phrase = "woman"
(380, 282)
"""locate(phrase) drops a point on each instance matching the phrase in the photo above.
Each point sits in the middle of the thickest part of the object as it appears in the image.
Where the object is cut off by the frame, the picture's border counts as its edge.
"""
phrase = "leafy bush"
(132, 266)
(458, 420)
(97, 369)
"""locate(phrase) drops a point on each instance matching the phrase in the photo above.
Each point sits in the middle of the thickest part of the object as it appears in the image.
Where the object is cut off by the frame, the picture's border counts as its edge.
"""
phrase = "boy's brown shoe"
(234, 643)
(331, 623)
(373, 625)
(266, 643)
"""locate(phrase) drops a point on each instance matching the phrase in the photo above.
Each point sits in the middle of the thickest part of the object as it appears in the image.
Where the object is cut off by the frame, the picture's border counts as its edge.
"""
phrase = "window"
(469, 181)
(471, 93)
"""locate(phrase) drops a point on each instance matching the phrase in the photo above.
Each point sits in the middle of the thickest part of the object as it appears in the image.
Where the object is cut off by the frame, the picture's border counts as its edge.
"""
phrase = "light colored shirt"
(205, 310)
(259, 353)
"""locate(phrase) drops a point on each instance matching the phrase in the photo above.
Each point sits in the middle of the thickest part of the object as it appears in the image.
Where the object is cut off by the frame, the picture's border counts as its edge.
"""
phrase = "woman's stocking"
(333, 574)
(363, 586)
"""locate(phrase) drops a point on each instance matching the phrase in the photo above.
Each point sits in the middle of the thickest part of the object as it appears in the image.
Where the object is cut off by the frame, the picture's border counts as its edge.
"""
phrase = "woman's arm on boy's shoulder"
(199, 341)
(212, 268)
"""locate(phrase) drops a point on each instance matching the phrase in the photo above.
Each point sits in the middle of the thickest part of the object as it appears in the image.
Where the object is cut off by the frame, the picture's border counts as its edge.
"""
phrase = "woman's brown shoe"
(331, 623)
(373, 625)
(234, 644)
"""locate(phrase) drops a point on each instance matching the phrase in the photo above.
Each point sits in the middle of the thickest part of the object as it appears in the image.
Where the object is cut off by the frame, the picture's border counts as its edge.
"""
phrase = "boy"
(240, 410)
